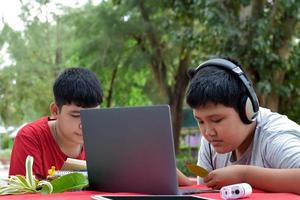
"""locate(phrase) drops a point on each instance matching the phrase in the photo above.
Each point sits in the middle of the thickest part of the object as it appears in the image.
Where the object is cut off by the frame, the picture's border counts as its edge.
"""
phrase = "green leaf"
(47, 187)
(21, 180)
(72, 181)
(29, 174)
(6, 190)
(12, 189)
(19, 184)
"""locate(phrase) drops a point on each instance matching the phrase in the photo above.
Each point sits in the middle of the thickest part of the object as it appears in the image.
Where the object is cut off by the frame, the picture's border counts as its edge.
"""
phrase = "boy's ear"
(53, 110)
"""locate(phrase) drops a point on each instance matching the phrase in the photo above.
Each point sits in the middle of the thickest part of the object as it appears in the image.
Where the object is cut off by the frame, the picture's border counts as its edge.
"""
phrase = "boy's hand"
(225, 176)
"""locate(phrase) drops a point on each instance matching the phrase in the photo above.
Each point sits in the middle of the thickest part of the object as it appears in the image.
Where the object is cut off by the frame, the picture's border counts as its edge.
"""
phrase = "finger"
(210, 183)
(216, 187)
(207, 178)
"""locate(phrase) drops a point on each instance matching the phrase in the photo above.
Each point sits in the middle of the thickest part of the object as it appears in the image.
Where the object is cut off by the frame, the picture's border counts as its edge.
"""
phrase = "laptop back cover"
(130, 149)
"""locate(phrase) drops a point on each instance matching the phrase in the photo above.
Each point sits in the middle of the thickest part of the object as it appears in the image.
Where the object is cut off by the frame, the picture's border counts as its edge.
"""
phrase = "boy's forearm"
(182, 179)
(273, 180)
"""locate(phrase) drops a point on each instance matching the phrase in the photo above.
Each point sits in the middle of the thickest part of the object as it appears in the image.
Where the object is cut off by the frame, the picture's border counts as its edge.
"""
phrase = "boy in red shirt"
(51, 140)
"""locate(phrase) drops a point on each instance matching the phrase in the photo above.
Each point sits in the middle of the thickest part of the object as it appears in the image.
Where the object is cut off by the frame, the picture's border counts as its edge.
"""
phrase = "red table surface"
(257, 194)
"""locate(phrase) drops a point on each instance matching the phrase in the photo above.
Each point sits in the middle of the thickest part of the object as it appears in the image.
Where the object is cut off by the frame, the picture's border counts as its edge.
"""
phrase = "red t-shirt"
(35, 139)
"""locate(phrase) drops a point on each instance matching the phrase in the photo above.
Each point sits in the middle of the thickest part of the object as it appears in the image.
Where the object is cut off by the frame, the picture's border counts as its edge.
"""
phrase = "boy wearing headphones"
(241, 141)
(51, 140)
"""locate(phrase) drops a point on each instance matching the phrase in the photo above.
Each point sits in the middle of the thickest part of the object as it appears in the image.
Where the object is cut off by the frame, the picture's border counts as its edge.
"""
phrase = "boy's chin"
(222, 150)
(79, 140)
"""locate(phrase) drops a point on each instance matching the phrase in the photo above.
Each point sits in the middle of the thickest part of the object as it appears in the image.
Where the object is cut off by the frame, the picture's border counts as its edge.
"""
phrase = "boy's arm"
(183, 180)
(22, 147)
(273, 180)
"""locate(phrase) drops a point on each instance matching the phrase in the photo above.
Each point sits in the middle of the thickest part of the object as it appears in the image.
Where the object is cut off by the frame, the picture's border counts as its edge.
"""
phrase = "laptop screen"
(130, 149)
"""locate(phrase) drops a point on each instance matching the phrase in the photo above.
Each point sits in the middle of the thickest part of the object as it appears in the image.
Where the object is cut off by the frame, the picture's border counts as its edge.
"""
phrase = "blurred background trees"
(141, 51)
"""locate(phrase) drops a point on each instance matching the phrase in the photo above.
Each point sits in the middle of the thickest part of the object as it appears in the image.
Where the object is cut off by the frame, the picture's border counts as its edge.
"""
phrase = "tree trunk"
(58, 50)
(174, 93)
(286, 23)
(111, 86)
(177, 97)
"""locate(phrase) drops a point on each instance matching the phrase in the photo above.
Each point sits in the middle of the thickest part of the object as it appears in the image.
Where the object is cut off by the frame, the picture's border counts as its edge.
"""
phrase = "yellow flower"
(51, 171)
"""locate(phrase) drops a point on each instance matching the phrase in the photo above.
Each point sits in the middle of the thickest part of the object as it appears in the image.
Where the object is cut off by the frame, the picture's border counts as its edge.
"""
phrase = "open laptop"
(130, 149)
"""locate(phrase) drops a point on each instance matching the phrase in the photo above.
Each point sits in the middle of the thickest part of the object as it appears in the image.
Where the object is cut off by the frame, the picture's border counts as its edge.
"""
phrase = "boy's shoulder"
(273, 123)
(29, 129)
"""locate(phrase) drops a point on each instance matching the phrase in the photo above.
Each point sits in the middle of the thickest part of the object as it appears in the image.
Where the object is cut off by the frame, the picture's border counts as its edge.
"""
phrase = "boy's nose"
(210, 132)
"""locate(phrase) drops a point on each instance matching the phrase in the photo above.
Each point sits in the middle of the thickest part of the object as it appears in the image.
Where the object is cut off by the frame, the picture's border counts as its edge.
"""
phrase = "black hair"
(77, 86)
(215, 85)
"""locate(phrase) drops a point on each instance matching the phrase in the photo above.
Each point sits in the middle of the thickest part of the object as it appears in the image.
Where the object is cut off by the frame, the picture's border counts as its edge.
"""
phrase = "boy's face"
(222, 128)
(69, 124)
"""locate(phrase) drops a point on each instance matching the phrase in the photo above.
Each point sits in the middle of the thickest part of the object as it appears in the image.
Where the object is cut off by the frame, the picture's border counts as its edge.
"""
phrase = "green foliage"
(110, 48)
(20, 185)
(28, 184)
(72, 181)
(149, 45)
(6, 141)
(26, 91)
(5, 155)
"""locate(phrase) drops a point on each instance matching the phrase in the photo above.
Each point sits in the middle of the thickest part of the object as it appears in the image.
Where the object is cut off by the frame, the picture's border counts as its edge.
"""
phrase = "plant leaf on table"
(46, 186)
(30, 178)
(20, 184)
(29, 184)
(72, 181)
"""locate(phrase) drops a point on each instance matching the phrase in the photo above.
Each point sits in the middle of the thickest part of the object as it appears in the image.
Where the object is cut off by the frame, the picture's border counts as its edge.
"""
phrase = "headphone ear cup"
(247, 114)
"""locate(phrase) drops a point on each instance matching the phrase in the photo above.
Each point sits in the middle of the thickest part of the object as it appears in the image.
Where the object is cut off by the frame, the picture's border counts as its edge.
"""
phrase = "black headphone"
(249, 106)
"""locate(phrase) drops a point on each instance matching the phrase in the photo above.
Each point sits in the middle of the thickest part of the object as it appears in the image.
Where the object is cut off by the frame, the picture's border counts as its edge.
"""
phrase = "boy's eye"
(75, 116)
(216, 120)
(200, 122)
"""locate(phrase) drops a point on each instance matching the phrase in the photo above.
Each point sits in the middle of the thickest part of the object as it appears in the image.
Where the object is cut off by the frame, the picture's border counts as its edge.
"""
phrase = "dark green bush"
(186, 155)
(6, 141)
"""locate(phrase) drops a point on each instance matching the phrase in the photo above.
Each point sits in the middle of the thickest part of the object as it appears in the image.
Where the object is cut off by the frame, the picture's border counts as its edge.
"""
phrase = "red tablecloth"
(82, 195)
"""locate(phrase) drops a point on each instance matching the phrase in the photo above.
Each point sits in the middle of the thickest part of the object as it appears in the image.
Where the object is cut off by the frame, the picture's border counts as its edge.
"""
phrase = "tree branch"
(157, 63)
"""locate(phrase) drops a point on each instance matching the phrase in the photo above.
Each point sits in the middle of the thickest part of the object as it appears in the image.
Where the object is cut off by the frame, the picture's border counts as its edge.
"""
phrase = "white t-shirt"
(276, 144)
